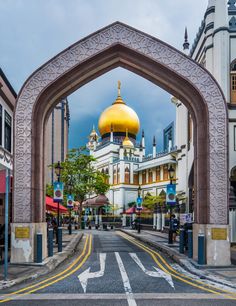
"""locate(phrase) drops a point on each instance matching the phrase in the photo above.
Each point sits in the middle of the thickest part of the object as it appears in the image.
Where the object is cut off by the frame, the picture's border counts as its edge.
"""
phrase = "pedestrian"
(174, 226)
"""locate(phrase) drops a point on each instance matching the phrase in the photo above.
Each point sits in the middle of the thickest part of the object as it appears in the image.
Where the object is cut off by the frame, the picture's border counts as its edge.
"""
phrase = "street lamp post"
(70, 190)
(58, 169)
(139, 211)
(171, 171)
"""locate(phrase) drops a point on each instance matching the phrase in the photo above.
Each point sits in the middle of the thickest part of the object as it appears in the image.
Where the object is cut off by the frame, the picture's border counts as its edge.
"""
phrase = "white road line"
(84, 276)
(158, 273)
(127, 287)
(117, 296)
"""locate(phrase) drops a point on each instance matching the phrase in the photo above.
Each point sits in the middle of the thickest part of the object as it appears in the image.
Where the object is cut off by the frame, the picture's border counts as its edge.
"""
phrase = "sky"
(33, 31)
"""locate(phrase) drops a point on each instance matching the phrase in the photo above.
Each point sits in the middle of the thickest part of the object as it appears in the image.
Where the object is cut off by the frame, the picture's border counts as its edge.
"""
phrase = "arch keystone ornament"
(113, 46)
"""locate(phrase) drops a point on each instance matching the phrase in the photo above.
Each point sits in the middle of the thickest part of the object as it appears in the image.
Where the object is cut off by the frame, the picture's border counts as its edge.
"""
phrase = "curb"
(49, 264)
(182, 261)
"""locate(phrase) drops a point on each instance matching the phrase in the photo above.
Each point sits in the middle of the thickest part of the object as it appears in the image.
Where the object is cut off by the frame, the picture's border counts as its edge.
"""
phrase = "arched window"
(233, 82)
(127, 175)
(118, 175)
(165, 173)
(114, 175)
(150, 176)
(144, 177)
(158, 174)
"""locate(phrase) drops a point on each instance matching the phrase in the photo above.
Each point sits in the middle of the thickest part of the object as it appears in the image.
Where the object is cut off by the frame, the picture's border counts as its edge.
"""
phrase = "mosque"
(119, 154)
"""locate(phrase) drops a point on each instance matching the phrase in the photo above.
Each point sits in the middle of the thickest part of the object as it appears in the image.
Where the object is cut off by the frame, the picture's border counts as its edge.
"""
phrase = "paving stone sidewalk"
(158, 240)
(18, 273)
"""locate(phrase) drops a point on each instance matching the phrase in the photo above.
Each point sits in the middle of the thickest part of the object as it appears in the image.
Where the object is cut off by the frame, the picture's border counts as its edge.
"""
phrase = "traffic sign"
(70, 201)
(58, 192)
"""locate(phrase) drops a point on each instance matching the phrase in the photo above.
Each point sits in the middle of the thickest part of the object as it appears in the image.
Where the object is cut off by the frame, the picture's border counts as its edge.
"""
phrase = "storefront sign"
(218, 233)
(22, 232)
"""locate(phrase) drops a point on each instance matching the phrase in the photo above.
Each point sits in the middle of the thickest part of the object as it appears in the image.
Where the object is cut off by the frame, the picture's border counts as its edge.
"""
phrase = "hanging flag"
(171, 194)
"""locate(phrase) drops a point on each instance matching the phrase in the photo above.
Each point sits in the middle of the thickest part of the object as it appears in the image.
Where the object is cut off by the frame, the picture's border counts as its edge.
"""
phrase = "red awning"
(50, 205)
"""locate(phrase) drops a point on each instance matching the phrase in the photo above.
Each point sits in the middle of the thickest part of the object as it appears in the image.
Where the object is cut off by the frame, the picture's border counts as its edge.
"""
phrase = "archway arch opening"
(119, 45)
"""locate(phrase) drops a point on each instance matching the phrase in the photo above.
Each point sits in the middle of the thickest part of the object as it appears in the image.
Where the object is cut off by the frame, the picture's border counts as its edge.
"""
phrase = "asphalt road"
(111, 270)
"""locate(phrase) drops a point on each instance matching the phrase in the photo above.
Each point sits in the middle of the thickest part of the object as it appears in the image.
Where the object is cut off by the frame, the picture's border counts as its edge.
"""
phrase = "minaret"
(111, 134)
(140, 152)
(186, 43)
(93, 140)
(143, 142)
(154, 148)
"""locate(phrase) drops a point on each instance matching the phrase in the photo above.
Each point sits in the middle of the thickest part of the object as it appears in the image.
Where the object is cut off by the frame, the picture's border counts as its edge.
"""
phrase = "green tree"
(49, 190)
(150, 201)
(80, 178)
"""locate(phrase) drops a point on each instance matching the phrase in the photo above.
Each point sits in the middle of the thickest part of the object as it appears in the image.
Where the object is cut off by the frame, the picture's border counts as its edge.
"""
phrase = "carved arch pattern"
(147, 46)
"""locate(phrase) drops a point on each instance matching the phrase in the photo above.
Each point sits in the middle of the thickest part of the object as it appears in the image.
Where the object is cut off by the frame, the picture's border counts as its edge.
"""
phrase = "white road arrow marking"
(157, 273)
(84, 276)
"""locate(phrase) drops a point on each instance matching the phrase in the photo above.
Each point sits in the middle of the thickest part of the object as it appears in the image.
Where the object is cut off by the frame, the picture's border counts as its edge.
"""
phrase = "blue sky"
(33, 31)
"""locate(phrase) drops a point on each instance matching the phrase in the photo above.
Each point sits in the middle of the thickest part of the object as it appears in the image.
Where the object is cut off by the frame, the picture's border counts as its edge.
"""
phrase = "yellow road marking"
(182, 276)
(14, 294)
(53, 277)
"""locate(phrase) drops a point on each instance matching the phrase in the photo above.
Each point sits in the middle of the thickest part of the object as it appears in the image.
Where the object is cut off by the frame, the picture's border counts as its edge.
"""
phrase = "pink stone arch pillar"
(121, 45)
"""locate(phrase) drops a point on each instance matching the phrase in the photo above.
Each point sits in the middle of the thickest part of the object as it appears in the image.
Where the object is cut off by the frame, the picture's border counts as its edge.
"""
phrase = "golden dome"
(120, 117)
(127, 143)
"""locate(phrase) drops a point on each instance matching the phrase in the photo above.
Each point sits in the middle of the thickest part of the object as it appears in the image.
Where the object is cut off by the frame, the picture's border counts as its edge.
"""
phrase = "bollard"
(50, 242)
(190, 243)
(201, 249)
(59, 234)
(39, 242)
(181, 241)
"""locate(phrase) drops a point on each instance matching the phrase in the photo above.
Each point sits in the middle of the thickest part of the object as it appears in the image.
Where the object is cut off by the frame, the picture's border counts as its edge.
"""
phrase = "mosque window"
(233, 88)
(118, 175)
(150, 180)
(114, 175)
(136, 178)
(233, 82)
(144, 177)
(7, 130)
(127, 175)
(158, 174)
(165, 173)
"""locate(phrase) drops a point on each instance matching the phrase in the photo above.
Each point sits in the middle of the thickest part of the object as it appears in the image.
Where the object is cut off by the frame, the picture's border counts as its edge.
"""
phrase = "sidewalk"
(222, 275)
(18, 273)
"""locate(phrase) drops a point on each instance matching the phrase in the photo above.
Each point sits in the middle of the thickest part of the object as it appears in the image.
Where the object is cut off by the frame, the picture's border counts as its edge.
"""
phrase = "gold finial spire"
(119, 84)
(119, 99)
(127, 133)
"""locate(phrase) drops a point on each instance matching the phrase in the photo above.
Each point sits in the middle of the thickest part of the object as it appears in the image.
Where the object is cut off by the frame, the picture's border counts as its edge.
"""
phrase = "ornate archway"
(110, 47)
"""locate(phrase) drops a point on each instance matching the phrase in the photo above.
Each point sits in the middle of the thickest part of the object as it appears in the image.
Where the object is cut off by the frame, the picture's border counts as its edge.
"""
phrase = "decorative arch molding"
(121, 45)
